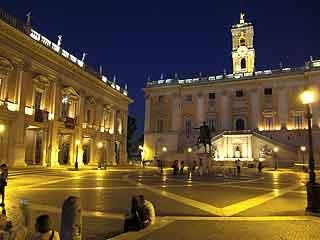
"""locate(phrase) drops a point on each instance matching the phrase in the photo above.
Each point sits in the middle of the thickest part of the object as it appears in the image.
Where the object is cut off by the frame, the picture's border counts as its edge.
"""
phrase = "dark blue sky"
(134, 39)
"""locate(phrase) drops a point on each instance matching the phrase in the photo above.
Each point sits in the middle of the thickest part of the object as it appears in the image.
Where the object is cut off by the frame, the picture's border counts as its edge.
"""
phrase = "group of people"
(43, 229)
(141, 214)
(178, 167)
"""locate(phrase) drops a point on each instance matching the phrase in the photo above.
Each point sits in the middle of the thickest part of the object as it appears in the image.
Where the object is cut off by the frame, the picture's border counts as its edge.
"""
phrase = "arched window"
(240, 124)
(242, 42)
(243, 63)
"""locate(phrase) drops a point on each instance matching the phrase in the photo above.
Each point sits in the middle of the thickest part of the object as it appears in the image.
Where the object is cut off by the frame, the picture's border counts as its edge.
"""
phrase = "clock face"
(242, 51)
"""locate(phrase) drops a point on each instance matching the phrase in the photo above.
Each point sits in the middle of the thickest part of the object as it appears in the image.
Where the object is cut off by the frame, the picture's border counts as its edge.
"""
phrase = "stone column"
(283, 107)
(225, 111)
(124, 134)
(316, 114)
(200, 109)
(176, 113)
(147, 113)
(16, 141)
(18, 87)
(255, 108)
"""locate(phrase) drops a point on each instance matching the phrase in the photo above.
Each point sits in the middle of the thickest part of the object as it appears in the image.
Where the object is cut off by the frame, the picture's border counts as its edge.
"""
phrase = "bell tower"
(243, 53)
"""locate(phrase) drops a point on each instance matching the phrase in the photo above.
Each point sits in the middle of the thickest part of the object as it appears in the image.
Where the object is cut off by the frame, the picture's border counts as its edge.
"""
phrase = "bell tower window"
(243, 63)
(242, 42)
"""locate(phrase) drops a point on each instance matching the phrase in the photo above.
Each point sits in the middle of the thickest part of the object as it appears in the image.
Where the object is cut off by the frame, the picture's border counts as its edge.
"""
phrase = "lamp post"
(76, 164)
(100, 145)
(275, 149)
(303, 149)
(189, 162)
(313, 189)
(164, 150)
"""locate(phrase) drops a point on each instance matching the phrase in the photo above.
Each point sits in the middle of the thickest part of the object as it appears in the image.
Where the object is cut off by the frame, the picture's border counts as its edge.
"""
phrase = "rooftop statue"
(242, 21)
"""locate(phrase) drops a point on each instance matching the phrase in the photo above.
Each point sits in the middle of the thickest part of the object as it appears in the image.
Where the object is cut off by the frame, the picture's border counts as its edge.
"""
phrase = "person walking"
(3, 182)
(181, 167)
(260, 166)
(200, 167)
(238, 167)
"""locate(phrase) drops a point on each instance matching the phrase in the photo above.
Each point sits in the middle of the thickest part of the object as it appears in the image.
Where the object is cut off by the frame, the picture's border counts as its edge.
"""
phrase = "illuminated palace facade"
(249, 112)
(54, 109)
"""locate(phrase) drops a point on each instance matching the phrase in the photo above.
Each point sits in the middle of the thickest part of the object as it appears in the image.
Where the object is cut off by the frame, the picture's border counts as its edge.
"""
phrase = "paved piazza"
(253, 206)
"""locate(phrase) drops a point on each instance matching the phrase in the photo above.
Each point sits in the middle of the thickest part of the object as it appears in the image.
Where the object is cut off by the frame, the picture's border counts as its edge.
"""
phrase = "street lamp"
(100, 145)
(164, 150)
(76, 165)
(313, 189)
(303, 149)
(189, 162)
(275, 149)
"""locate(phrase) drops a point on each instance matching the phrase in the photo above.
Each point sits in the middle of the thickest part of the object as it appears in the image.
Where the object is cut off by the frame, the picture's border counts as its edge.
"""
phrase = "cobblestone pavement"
(252, 206)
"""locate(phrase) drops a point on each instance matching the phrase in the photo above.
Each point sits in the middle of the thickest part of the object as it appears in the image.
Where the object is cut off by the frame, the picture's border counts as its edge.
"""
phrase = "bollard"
(71, 219)
(24, 207)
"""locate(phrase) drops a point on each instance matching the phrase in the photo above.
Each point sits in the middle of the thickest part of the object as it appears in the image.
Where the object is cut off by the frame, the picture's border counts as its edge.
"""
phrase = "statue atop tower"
(242, 21)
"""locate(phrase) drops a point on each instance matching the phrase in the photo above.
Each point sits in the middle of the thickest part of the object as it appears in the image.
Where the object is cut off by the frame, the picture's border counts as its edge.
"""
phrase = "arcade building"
(253, 115)
(54, 109)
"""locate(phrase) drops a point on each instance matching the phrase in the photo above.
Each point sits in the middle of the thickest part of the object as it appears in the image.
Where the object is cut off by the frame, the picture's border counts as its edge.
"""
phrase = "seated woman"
(133, 220)
(43, 229)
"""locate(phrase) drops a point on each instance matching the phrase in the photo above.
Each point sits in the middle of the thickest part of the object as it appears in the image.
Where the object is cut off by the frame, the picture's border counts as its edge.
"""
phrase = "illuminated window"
(65, 107)
(243, 63)
(212, 123)
(268, 123)
(298, 120)
(159, 125)
(188, 126)
(37, 100)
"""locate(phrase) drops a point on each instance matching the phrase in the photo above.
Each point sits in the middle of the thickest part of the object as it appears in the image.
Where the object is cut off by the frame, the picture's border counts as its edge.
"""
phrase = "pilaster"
(147, 113)
(200, 109)
(283, 106)
(255, 108)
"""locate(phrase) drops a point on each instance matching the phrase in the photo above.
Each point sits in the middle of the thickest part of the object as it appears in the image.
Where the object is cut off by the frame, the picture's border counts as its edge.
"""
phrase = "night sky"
(134, 39)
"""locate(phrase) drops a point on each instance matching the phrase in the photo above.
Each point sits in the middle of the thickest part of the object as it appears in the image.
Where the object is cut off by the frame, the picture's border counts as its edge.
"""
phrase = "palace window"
(242, 42)
(212, 96)
(37, 100)
(65, 106)
(268, 123)
(159, 125)
(161, 99)
(298, 120)
(212, 123)
(188, 126)
(188, 98)
(243, 63)
(88, 116)
(268, 91)
(239, 93)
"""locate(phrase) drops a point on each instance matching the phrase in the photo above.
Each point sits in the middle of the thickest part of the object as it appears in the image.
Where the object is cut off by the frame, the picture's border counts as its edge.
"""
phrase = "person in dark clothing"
(260, 166)
(181, 167)
(3, 181)
(133, 221)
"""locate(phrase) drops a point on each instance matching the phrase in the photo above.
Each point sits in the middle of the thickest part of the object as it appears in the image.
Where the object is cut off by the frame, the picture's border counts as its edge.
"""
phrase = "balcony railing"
(26, 29)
